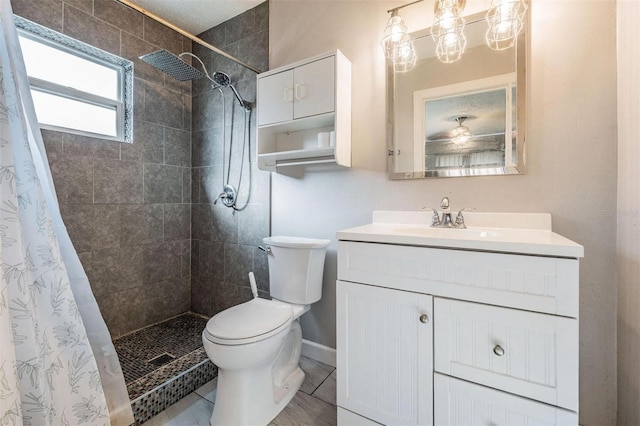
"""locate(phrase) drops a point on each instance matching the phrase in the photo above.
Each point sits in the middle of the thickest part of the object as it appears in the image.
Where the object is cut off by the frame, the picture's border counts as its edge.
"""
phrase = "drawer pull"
(498, 350)
(424, 318)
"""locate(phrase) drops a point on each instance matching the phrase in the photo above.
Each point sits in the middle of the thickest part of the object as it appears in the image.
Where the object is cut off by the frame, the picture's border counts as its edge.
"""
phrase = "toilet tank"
(296, 266)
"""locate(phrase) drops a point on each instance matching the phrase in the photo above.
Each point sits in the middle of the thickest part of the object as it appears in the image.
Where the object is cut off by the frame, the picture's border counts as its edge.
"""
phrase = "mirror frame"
(522, 63)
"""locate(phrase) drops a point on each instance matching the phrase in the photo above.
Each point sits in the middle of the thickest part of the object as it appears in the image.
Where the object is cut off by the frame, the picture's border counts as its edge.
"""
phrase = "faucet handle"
(460, 219)
(435, 219)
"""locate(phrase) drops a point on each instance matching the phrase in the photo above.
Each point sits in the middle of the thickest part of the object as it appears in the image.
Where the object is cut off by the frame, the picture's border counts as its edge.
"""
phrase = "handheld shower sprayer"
(221, 79)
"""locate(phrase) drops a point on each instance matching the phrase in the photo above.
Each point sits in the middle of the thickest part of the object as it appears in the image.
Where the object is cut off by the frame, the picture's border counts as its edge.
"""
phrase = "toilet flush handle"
(265, 249)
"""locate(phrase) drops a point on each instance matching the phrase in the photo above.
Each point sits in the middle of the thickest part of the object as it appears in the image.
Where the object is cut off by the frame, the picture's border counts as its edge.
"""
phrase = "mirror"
(466, 118)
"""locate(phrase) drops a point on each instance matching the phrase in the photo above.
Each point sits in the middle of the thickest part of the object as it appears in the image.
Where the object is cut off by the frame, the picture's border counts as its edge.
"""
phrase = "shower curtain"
(57, 361)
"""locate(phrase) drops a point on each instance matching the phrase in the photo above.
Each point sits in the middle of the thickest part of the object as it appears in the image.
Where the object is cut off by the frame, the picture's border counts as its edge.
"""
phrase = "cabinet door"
(525, 353)
(314, 88)
(275, 98)
(462, 403)
(384, 354)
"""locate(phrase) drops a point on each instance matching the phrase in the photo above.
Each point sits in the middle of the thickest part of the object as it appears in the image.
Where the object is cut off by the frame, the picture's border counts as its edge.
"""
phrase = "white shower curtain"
(57, 361)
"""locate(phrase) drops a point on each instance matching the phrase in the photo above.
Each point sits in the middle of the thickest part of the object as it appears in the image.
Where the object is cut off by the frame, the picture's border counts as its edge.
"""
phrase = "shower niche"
(304, 113)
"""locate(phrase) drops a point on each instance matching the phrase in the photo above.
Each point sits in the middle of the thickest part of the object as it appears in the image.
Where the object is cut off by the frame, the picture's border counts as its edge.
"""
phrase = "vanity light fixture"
(505, 19)
(397, 43)
(448, 30)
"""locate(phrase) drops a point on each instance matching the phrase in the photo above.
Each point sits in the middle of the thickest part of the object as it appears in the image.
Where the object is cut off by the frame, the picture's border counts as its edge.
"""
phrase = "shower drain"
(161, 360)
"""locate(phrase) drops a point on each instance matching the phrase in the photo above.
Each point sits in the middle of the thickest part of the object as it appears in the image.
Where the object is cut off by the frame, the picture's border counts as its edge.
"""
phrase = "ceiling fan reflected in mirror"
(461, 134)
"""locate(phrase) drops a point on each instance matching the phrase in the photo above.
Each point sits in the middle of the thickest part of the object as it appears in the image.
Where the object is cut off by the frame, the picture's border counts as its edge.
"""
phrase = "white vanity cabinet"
(456, 327)
(386, 346)
(297, 102)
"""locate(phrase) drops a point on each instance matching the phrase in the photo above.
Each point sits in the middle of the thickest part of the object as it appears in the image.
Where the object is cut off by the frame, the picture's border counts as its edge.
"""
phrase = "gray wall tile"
(163, 106)
(117, 181)
(158, 34)
(253, 225)
(162, 184)
(177, 147)
(262, 16)
(73, 178)
(238, 262)
(121, 235)
(131, 48)
(78, 219)
(202, 222)
(239, 26)
(176, 296)
(177, 222)
(93, 31)
(210, 260)
(118, 269)
(203, 295)
(43, 12)
(187, 190)
(83, 5)
(119, 15)
(52, 141)
(141, 224)
(106, 219)
(90, 147)
(162, 261)
(216, 226)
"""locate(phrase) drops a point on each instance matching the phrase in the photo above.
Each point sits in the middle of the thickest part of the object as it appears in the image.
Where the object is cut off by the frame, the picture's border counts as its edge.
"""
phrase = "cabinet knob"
(498, 350)
(424, 318)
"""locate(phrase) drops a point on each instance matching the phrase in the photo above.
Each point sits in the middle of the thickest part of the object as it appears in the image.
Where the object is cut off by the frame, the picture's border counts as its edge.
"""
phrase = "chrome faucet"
(445, 221)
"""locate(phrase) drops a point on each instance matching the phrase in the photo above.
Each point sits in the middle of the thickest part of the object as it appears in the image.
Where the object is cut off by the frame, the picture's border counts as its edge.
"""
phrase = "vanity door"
(385, 355)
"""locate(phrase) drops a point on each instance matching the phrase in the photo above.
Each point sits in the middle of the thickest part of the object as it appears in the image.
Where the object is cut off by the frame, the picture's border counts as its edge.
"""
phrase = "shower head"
(223, 80)
(172, 65)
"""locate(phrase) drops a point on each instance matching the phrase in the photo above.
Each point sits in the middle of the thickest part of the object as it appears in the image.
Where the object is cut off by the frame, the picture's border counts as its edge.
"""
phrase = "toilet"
(256, 345)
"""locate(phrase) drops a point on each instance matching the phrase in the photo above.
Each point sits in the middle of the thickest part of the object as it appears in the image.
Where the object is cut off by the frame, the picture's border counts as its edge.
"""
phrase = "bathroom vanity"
(457, 326)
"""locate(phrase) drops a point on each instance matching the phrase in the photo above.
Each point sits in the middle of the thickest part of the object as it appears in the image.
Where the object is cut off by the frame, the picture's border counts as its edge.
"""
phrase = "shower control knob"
(424, 318)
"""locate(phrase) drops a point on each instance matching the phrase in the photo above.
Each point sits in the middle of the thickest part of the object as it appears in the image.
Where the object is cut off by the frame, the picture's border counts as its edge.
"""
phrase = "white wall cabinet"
(297, 102)
(504, 338)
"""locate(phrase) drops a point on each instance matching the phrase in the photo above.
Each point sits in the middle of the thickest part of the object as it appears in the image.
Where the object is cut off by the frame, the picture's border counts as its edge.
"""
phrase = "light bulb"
(505, 19)
(448, 31)
(397, 44)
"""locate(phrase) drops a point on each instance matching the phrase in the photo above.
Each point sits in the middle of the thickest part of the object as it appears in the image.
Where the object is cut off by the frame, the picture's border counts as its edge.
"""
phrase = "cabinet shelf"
(296, 157)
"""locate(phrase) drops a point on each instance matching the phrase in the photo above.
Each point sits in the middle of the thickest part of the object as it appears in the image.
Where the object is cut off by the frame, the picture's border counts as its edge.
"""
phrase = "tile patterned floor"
(184, 366)
(314, 404)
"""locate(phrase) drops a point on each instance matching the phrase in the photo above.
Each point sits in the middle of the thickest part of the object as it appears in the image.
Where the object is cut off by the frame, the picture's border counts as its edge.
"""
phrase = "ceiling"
(196, 16)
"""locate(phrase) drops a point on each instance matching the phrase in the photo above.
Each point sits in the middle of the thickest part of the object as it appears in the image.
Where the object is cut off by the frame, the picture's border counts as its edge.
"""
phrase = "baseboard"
(319, 352)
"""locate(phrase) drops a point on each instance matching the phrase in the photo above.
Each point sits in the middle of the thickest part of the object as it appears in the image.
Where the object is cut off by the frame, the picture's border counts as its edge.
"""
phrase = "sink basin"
(527, 233)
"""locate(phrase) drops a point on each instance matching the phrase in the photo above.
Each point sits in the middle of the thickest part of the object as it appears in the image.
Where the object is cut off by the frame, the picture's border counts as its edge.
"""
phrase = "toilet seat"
(249, 322)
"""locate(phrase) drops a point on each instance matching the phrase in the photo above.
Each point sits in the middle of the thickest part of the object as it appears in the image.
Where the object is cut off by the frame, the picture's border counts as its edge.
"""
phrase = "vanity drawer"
(526, 353)
(534, 283)
(457, 402)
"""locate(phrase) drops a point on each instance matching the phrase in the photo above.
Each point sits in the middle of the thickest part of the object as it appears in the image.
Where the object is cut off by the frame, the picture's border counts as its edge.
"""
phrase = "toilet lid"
(251, 319)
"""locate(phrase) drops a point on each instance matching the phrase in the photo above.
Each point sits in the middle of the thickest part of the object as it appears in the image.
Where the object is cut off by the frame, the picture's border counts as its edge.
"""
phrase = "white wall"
(571, 156)
(628, 213)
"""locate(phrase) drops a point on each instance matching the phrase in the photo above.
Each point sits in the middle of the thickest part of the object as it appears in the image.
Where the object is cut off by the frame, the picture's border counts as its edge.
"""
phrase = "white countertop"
(524, 233)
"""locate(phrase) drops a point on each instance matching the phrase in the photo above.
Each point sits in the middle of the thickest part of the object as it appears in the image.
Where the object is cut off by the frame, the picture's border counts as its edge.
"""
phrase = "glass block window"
(76, 87)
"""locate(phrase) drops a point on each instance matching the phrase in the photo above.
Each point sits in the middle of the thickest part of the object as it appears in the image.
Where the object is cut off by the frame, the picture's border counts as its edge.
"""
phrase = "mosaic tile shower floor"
(163, 363)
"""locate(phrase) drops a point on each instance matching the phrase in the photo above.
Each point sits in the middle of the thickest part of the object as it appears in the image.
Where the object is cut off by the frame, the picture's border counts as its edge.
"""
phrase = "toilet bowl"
(256, 345)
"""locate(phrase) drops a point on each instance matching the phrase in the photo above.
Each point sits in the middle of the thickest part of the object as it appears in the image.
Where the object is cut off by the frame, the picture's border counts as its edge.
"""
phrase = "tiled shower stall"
(141, 215)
